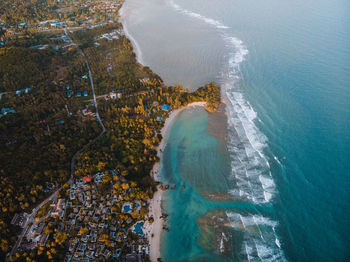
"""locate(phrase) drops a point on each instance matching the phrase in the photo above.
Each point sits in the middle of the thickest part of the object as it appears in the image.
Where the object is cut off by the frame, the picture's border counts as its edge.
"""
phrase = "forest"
(40, 138)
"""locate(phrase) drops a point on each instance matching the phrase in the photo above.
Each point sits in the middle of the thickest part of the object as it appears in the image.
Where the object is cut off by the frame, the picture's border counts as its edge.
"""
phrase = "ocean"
(267, 179)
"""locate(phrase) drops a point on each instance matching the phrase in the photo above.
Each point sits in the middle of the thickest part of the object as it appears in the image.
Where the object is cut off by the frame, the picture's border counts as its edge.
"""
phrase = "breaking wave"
(207, 20)
(251, 176)
(260, 241)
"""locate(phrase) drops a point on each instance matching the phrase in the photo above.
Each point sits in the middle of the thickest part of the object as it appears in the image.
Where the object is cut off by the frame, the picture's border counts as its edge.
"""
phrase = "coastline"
(155, 208)
(154, 230)
(137, 49)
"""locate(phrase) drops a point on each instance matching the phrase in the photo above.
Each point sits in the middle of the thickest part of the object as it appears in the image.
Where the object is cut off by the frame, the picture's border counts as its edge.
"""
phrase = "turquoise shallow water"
(194, 161)
(284, 69)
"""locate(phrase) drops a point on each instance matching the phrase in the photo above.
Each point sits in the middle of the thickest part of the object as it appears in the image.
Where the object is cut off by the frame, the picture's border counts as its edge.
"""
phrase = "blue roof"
(159, 118)
(6, 110)
(165, 107)
(67, 87)
(85, 93)
(18, 92)
(78, 94)
(69, 95)
(2, 43)
(61, 122)
(27, 90)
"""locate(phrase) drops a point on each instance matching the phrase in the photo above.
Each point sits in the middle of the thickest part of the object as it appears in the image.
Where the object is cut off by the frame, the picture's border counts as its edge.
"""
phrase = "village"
(100, 216)
(95, 14)
(95, 215)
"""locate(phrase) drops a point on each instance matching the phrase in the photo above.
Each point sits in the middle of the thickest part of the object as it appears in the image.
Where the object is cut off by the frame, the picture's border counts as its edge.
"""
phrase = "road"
(31, 217)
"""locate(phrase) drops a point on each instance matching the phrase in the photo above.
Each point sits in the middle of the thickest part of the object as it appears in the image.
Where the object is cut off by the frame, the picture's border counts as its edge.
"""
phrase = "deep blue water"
(284, 68)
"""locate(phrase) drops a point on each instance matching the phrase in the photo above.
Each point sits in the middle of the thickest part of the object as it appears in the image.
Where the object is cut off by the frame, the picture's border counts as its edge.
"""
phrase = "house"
(35, 231)
(87, 178)
(58, 208)
(19, 219)
(71, 195)
(144, 80)
(114, 95)
(134, 257)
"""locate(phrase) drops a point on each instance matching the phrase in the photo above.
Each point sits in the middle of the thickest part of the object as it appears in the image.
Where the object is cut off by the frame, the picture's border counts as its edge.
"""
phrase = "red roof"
(87, 178)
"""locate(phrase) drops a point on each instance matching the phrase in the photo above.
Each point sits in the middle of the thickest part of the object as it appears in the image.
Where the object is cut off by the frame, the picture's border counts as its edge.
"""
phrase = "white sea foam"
(260, 242)
(250, 167)
(207, 20)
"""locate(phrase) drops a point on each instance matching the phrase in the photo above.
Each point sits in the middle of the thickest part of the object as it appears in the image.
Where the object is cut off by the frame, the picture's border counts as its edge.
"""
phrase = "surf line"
(241, 116)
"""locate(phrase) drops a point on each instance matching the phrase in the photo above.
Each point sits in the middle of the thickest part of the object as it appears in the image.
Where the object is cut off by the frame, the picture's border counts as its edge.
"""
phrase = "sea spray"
(260, 241)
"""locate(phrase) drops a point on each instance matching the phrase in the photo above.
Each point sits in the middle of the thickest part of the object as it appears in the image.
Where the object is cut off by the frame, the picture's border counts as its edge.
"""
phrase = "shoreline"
(155, 208)
(136, 47)
(154, 230)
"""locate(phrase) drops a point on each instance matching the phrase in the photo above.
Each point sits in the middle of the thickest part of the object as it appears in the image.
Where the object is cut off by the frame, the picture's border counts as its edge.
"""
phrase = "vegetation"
(39, 140)
(43, 210)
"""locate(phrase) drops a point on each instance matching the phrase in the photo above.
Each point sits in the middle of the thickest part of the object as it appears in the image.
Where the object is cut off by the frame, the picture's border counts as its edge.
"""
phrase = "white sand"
(156, 202)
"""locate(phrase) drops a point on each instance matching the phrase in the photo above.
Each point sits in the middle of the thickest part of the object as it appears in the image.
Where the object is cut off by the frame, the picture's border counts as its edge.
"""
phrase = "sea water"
(279, 189)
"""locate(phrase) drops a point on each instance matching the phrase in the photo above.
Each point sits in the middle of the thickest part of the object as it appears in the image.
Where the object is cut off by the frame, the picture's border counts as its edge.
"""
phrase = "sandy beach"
(155, 209)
